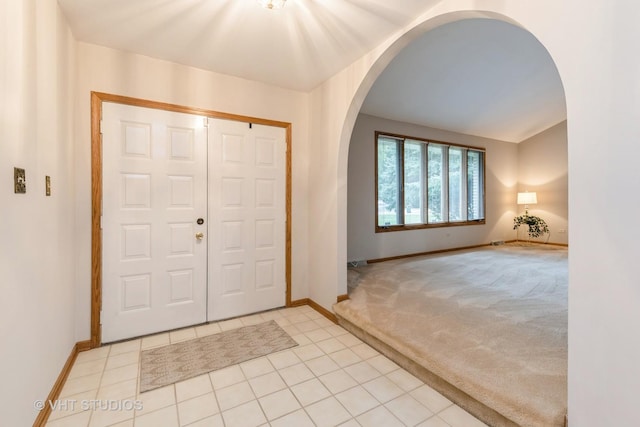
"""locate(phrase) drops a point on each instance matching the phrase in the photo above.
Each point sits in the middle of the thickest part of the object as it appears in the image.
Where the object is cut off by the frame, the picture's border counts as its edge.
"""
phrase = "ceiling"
(480, 77)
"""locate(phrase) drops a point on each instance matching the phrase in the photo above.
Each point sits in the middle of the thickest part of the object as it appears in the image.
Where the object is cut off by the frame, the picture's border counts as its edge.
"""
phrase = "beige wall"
(36, 232)
(107, 70)
(543, 168)
(364, 243)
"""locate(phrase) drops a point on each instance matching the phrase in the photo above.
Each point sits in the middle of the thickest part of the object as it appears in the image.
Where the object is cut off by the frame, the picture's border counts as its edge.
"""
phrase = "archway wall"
(592, 45)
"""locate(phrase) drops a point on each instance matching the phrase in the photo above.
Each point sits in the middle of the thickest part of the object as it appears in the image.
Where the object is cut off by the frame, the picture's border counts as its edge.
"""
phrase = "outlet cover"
(19, 181)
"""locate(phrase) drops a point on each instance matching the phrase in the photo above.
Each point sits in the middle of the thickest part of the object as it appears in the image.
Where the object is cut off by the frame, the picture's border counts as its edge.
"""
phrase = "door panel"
(154, 273)
(247, 178)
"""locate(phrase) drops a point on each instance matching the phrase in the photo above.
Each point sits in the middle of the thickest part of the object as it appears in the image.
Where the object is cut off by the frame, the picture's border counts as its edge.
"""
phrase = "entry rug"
(177, 362)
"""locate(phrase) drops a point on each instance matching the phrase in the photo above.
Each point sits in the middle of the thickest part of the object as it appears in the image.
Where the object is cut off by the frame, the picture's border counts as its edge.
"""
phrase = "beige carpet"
(488, 326)
(177, 362)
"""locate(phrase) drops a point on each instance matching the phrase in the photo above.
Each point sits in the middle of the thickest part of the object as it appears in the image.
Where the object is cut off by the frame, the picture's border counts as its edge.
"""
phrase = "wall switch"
(19, 181)
(47, 185)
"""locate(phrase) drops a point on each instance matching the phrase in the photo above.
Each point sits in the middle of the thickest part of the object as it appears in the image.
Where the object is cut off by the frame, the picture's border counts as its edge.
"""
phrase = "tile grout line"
(333, 335)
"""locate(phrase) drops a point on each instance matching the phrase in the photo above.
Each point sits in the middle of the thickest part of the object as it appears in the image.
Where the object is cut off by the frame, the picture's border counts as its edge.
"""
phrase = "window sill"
(408, 227)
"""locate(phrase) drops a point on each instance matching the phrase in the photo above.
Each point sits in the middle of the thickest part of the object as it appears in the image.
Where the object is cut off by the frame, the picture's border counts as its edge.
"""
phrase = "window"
(422, 183)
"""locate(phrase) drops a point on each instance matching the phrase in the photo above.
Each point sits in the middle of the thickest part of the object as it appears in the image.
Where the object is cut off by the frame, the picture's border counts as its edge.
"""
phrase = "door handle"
(199, 236)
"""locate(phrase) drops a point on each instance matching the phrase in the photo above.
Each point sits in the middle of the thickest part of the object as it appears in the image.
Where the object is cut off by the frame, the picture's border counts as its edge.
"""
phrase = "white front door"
(154, 224)
(247, 182)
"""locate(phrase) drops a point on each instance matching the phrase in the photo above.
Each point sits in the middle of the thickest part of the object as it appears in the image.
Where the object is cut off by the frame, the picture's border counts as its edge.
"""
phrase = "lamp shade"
(527, 198)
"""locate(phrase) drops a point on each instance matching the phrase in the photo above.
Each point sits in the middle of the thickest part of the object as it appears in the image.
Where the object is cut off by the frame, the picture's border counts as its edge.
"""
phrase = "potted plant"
(537, 226)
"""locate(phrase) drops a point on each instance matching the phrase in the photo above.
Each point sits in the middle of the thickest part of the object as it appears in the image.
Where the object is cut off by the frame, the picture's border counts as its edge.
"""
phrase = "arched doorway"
(377, 242)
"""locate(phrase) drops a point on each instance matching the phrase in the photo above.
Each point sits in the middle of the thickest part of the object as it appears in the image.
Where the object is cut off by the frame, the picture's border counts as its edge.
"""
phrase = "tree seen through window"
(420, 182)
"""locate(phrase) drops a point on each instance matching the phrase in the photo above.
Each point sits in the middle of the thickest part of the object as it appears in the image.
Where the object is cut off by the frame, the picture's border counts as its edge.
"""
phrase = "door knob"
(199, 236)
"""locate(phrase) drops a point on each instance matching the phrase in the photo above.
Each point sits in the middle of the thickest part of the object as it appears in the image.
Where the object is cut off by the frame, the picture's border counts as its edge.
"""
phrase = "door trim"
(97, 98)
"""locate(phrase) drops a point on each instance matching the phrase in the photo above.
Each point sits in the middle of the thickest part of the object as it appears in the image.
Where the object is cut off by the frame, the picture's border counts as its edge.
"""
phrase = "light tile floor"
(331, 378)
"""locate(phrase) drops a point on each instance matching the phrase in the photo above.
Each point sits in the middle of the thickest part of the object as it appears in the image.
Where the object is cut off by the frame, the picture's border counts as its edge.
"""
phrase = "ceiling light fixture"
(272, 4)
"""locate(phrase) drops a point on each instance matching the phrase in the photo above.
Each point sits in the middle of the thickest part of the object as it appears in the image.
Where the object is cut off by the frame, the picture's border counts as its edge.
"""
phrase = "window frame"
(400, 213)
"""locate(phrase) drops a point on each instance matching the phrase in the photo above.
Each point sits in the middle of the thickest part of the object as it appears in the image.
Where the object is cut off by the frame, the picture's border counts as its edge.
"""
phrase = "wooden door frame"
(97, 98)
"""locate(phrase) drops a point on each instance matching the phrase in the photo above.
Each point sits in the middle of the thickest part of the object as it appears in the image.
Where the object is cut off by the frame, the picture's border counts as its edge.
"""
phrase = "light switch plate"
(19, 181)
